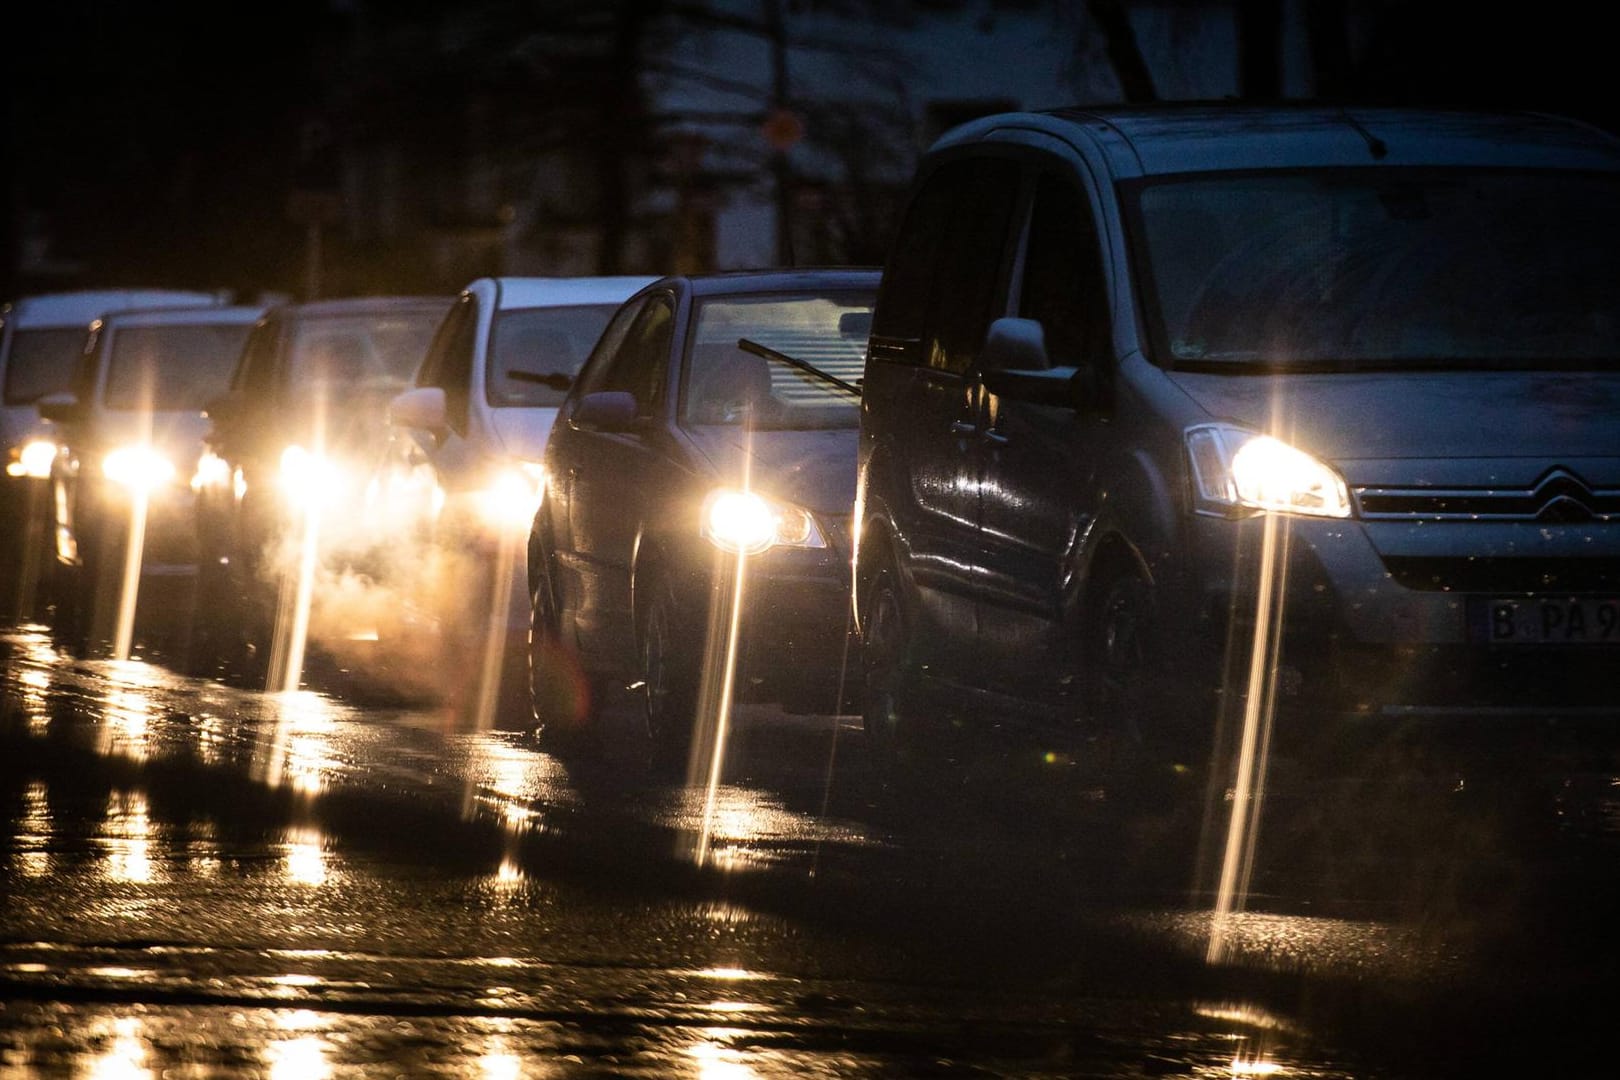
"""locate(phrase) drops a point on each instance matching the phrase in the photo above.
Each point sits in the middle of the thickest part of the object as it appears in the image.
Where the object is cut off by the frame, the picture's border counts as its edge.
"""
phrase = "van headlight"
(1235, 470)
(749, 523)
(32, 459)
(137, 468)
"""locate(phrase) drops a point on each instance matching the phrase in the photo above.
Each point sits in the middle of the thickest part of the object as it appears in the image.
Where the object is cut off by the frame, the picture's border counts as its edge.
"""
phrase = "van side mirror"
(1017, 367)
(1015, 344)
(422, 408)
(60, 408)
(605, 410)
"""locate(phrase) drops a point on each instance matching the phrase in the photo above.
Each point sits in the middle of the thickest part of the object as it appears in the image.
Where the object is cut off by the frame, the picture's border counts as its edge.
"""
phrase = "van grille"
(1559, 497)
(1506, 576)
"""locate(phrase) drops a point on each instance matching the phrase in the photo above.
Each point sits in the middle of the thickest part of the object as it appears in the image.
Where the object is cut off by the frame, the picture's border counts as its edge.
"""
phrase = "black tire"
(669, 679)
(560, 704)
(887, 705)
(1132, 698)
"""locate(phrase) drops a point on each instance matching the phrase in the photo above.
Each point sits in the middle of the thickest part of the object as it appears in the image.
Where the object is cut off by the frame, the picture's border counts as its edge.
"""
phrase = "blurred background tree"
(422, 144)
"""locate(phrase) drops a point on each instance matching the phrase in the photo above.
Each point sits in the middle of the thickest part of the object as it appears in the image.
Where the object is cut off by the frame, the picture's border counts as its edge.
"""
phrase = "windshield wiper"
(768, 353)
(554, 379)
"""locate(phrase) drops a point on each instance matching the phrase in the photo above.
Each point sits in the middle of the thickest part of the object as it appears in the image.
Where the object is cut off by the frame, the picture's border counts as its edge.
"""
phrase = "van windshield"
(42, 362)
(1387, 269)
(172, 367)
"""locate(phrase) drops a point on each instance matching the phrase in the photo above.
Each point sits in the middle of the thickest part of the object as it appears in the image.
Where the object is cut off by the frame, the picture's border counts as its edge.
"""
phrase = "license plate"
(1546, 621)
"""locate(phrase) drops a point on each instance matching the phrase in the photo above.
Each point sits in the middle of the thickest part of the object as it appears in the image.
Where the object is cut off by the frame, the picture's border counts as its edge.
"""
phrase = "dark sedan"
(692, 543)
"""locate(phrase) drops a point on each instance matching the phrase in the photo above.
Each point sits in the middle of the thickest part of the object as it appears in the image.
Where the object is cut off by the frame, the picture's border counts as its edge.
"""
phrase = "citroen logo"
(1564, 498)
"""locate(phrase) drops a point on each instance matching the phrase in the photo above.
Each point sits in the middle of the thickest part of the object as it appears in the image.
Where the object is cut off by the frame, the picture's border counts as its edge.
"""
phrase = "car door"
(609, 479)
(449, 454)
(1037, 478)
(943, 284)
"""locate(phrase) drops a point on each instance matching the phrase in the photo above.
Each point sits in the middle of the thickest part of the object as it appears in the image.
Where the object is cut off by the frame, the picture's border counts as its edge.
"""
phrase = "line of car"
(1155, 420)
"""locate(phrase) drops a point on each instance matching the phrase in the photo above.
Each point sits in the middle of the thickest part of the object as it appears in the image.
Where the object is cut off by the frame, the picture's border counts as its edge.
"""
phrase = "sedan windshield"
(1347, 269)
(172, 367)
(725, 384)
(534, 353)
(362, 352)
(42, 362)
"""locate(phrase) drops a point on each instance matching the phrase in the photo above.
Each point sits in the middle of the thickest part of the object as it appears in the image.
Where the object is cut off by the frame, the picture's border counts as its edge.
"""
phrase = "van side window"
(944, 269)
(1063, 285)
(968, 268)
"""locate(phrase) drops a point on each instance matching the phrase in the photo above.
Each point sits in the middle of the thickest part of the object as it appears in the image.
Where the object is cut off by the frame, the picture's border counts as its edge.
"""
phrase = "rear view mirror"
(60, 408)
(421, 408)
(605, 410)
(855, 324)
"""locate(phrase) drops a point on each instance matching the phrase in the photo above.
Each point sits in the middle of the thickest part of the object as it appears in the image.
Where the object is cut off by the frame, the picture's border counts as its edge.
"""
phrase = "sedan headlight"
(138, 468)
(1235, 469)
(512, 495)
(213, 471)
(749, 523)
(33, 459)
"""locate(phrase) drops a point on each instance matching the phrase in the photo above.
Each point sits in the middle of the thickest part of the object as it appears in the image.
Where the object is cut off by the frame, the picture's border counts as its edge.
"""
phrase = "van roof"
(1163, 139)
(83, 306)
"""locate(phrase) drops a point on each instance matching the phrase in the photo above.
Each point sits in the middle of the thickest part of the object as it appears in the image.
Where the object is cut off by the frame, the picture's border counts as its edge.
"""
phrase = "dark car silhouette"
(707, 446)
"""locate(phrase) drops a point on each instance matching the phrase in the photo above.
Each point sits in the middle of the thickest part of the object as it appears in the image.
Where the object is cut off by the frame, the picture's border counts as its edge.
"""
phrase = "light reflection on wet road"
(205, 881)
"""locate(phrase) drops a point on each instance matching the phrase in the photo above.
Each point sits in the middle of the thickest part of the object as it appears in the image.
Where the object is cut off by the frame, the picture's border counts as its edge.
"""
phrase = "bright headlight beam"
(32, 459)
(749, 523)
(1238, 469)
(138, 468)
(511, 497)
(308, 479)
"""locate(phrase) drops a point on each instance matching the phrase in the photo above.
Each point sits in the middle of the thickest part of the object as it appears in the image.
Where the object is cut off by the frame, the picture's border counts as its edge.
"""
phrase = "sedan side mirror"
(1015, 344)
(422, 408)
(605, 410)
(60, 408)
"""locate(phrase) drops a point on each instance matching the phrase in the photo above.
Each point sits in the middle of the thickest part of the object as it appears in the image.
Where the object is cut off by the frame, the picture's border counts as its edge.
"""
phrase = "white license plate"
(1545, 621)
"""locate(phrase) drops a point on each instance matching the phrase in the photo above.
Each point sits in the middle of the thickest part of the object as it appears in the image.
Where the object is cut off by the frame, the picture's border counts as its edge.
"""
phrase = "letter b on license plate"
(1546, 621)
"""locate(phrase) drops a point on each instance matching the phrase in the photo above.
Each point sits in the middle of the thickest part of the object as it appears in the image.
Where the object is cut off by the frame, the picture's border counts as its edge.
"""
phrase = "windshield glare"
(363, 352)
(725, 385)
(538, 342)
(1425, 268)
(171, 367)
(42, 362)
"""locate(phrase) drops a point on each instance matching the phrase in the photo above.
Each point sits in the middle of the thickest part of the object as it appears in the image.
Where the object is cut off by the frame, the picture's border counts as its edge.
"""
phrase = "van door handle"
(964, 427)
(994, 437)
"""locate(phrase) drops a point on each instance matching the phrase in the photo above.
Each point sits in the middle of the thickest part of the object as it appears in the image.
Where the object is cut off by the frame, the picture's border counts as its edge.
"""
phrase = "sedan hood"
(1370, 423)
(812, 469)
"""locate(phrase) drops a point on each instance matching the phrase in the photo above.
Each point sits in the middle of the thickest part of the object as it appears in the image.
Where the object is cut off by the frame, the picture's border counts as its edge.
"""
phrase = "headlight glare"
(33, 459)
(1234, 470)
(510, 499)
(749, 523)
(138, 468)
(212, 471)
(309, 479)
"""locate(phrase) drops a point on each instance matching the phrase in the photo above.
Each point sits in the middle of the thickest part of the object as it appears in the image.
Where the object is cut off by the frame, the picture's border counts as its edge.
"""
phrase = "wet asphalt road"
(202, 880)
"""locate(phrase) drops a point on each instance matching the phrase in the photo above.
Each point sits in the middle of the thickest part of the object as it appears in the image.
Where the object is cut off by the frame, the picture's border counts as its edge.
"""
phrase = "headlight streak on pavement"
(127, 838)
(511, 547)
(716, 687)
(290, 633)
(298, 1059)
(305, 860)
(125, 1055)
(128, 712)
(1248, 787)
(498, 1061)
(716, 1061)
(298, 753)
(34, 830)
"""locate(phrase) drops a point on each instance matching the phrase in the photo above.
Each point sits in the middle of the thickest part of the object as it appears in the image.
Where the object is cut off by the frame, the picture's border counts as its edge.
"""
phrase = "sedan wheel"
(559, 696)
(668, 679)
